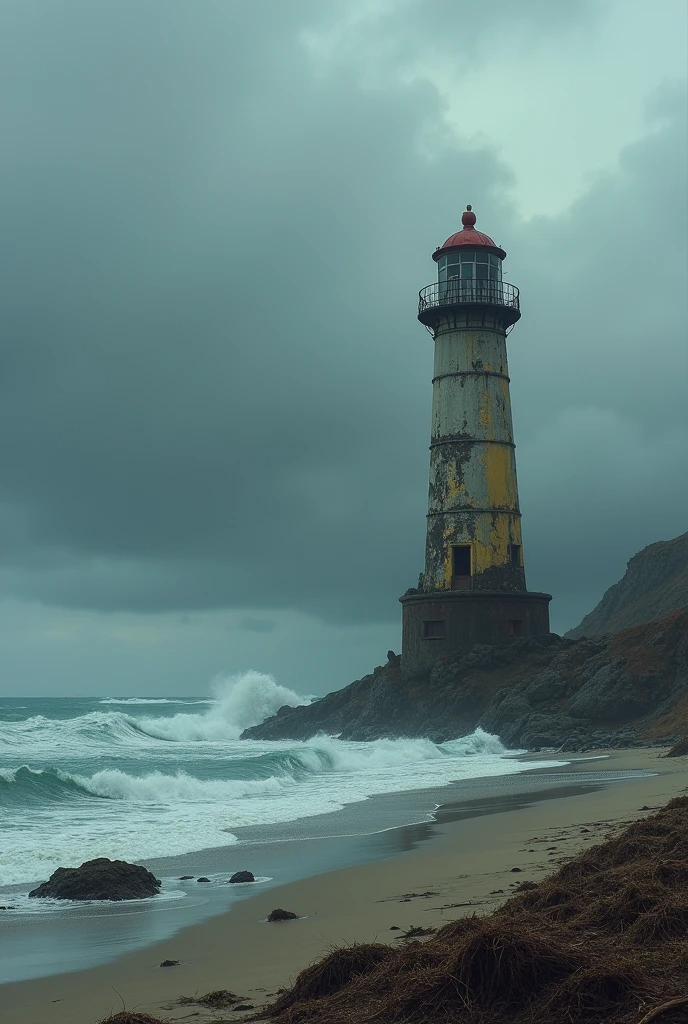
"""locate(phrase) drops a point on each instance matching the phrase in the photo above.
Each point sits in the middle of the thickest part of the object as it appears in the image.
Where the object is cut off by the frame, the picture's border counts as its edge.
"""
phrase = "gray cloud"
(214, 392)
(252, 624)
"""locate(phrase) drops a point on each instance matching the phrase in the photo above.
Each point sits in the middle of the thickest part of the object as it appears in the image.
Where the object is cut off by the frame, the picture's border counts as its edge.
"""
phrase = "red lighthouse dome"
(469, 238)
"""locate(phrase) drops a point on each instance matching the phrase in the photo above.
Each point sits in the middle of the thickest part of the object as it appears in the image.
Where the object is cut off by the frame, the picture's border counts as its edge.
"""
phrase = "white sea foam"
(241, 701)
(158, 814)
(238, 702)
(151, 700)
(139, 783)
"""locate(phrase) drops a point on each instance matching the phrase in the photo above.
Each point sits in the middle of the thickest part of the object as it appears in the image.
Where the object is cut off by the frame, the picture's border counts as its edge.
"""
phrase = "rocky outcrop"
(655, 583)
(99, 879)
(614, 690)
(241, 876)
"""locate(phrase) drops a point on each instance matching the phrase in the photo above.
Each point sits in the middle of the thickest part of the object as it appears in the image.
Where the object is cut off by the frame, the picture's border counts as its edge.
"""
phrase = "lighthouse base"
(437, 622)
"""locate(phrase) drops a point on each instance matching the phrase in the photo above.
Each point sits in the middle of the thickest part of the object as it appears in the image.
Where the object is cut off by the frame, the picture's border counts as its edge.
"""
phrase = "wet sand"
(463, 865)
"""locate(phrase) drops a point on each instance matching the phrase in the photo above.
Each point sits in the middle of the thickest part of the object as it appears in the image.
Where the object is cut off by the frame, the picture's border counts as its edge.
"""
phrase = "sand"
(466, 868)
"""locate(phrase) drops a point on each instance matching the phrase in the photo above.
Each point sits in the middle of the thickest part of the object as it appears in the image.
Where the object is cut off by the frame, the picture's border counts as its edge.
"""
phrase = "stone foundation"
(436, 622)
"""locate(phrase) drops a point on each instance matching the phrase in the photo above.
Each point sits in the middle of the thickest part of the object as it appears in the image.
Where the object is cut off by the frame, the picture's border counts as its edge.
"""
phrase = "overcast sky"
(214, 393)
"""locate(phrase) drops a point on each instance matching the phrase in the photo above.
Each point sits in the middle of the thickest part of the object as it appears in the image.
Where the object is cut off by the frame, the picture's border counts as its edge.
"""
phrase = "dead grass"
(331, 974)
(603, 939)
(129, 1017)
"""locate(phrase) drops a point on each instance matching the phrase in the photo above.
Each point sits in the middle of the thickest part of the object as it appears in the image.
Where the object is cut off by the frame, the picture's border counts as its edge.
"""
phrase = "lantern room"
(469, 255)
(469, 273)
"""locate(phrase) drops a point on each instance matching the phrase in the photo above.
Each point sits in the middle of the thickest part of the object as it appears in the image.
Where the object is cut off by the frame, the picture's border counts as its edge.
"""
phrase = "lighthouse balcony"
(453, 293)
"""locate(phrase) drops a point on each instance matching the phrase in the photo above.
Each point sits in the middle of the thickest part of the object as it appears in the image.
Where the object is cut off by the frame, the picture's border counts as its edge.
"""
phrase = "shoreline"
(460, 861)
(39, 940)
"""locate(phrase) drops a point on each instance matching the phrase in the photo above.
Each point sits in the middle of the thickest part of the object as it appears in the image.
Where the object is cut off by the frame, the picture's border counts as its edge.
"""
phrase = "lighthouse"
(473, 588)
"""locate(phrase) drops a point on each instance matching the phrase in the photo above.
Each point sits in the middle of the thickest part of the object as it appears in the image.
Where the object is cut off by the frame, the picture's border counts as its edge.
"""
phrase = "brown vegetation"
(128, 1017)
(219, 999)
(604, 939)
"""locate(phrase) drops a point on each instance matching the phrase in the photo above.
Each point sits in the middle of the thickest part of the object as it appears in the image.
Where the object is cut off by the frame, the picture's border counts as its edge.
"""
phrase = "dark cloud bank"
(214, 390)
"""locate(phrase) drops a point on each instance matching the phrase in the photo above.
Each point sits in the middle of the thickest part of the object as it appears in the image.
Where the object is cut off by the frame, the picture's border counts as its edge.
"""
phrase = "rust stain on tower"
(473, 589)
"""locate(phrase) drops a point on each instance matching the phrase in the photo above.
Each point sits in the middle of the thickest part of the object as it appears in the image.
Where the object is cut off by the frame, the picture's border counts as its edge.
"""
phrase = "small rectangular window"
(515, 553)
(481, 257)
(461, 559)
(481, 271)
(453, 257)
(468, 257)
(433, 629)
(494, 261)
(514, 627)
(467, 271)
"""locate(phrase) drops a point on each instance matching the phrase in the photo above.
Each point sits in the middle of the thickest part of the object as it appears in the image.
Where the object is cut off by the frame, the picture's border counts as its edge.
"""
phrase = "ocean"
(143, 778)
(167, 782)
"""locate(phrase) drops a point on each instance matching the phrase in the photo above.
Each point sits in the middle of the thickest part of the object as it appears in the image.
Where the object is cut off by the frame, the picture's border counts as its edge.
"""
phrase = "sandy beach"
(468, 866)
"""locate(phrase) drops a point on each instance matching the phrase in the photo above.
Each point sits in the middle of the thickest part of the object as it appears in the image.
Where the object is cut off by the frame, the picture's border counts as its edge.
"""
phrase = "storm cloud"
(215, 396)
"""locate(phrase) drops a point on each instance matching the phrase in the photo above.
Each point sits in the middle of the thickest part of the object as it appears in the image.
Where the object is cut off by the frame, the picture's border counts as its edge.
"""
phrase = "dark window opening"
(433, 629)
(515, 554)
(461, 555)
(514, 627)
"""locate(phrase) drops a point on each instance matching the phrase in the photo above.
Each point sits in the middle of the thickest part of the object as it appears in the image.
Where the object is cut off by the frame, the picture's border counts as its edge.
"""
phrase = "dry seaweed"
(129, 1017)
(219, 999)
(416, 931)
(333, 973)
(605, 938)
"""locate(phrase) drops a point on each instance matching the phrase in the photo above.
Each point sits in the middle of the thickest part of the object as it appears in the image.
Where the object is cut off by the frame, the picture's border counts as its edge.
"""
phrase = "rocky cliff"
(573, 692)
(655, 583)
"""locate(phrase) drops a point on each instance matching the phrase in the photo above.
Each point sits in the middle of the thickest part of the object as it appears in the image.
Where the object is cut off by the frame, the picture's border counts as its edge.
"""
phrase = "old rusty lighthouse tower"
(473, 590)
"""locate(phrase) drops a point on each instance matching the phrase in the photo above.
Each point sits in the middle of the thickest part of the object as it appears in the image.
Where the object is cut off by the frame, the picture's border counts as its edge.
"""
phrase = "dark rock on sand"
(99, 879)
(242, 876)
(170, 963)
(282, 915)
(202, 879)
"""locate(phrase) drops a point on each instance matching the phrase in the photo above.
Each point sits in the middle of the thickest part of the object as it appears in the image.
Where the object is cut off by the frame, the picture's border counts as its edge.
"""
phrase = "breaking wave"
(158, 780)
(237, 703)
(240, 702)
(263, 774)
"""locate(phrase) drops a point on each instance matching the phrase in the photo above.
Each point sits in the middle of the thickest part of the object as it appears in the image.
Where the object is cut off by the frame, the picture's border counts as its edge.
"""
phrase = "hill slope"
(655, 583)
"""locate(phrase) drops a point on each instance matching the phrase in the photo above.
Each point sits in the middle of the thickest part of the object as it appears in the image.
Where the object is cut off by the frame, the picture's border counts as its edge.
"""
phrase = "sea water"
(144, 778)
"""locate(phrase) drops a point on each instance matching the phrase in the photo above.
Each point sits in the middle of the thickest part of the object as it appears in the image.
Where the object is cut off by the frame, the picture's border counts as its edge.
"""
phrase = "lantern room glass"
(469, 276)
(470, 265)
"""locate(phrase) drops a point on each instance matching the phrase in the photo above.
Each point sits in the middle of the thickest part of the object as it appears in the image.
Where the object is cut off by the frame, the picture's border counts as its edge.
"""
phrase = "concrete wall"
(473, 493)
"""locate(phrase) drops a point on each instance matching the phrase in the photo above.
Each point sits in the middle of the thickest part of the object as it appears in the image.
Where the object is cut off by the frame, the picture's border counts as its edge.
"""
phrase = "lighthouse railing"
(456, 292)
